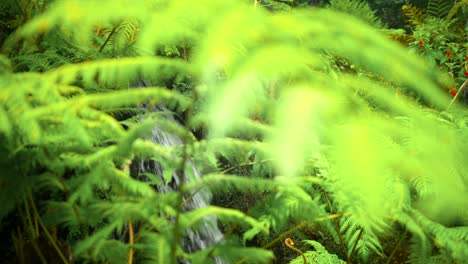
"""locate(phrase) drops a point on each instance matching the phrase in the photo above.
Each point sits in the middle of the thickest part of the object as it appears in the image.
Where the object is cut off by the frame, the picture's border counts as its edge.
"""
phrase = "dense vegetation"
(324, 135)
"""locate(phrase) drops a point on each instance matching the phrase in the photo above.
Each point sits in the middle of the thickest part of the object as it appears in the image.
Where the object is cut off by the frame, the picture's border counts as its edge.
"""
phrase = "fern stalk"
(338, 228)
(131, 242)
(459, 92)
(396, 246)
(355, 244)
(108, 38)
(46, 232)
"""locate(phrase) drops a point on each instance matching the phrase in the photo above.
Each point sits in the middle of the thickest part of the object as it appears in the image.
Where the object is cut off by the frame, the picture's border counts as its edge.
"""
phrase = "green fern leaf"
(439, 8)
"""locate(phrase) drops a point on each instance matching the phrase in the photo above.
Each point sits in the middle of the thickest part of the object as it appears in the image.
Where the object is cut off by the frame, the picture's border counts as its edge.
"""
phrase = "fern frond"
(223, 183)
(359, 242)
(119, 71)
(414, 15)
(240, 254)
(125, 34)
(153, 248)
(439, 8)
(453, 241)
(377, 147)
(288, 203)
(357, 8)
(191, 218)
(318, 256)
(456, 7)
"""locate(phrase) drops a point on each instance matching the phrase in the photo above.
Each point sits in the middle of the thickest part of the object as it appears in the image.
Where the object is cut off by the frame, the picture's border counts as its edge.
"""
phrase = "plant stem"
(396, 246)
(38, 252)
(130, 241)
(290, 244)
(337, 225)
(108, 38)
(355, 244)
(460, 91)
(299, 226)
(46, 232)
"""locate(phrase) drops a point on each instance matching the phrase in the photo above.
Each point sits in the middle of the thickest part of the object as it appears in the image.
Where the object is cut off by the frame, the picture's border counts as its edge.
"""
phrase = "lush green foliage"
(350, 152)
(439, 8)
(441, 41)
(441, 46)
(359, 9)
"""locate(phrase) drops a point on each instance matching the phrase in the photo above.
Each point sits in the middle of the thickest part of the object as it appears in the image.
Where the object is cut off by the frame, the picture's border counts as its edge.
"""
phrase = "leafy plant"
(349, 153)
(439, 8)
(437, 42)
(414, 15)
(319, 255)
(357, 8)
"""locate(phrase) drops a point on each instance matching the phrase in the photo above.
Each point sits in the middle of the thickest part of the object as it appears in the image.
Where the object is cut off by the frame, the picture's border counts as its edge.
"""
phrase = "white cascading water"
(208, 234)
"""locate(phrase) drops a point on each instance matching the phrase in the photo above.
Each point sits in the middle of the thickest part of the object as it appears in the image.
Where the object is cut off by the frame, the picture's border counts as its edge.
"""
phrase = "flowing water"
(208, 233)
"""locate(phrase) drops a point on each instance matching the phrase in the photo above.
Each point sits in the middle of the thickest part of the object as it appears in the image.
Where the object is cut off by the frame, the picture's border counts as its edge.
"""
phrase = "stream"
(208, 233)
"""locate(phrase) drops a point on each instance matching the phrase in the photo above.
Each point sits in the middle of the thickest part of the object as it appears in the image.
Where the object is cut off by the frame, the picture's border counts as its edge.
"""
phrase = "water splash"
(208, 233)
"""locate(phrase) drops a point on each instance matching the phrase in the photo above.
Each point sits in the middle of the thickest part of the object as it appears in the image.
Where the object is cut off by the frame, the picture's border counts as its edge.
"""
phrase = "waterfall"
(208, 233)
